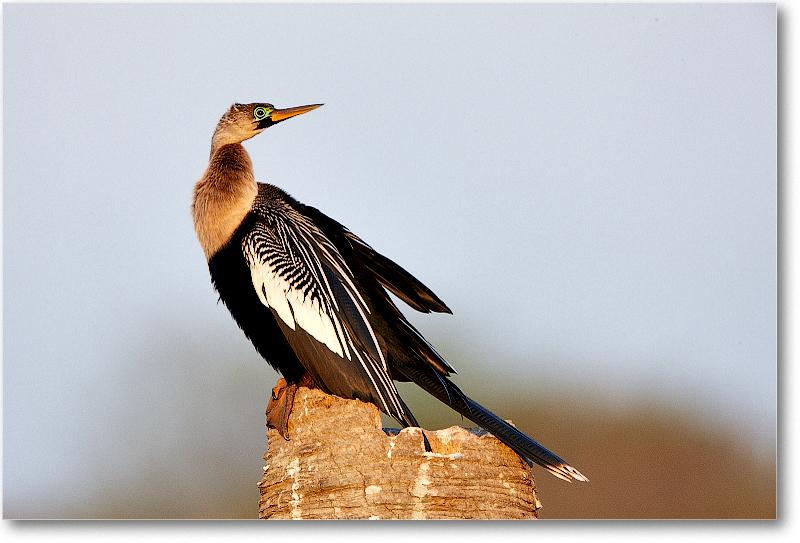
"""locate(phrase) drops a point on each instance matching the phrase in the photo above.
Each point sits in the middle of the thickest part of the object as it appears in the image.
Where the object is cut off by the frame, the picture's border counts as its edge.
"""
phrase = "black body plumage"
(312, 298)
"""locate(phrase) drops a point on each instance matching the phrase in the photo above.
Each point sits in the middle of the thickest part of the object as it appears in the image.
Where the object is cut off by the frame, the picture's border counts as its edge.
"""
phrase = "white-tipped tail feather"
(567, 473)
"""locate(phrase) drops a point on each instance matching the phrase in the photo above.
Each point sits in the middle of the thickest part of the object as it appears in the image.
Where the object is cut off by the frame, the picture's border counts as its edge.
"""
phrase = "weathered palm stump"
(340, 464)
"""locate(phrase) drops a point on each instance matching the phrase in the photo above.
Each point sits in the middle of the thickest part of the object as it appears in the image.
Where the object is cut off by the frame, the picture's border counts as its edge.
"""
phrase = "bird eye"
(260, 113)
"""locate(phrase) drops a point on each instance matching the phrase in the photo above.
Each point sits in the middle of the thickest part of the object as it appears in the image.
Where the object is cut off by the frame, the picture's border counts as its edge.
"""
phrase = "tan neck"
(223, 196)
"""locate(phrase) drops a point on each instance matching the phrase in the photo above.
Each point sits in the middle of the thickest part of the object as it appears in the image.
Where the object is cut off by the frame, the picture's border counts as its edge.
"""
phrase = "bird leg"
(280, 404)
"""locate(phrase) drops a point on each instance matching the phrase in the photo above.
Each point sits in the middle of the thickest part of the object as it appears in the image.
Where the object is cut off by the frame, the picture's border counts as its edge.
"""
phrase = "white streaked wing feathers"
(292, 308)
(287, 258)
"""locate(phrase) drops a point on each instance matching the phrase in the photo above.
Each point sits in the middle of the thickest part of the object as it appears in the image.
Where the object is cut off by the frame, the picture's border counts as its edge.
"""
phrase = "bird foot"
(280, 407)
(280, 404)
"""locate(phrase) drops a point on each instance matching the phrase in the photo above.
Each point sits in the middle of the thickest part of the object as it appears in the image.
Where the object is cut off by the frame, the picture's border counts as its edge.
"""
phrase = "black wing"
(401, 283)
(376, 272)
(301, 276)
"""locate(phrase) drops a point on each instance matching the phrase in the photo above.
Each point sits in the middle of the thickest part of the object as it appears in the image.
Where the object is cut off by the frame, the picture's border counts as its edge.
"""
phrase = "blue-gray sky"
(590, 188)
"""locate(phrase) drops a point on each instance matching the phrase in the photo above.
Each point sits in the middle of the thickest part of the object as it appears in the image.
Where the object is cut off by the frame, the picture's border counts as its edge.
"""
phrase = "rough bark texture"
(340, 464)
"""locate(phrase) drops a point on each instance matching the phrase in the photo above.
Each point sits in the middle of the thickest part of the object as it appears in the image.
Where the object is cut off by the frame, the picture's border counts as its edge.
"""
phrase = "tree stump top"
(340, 464)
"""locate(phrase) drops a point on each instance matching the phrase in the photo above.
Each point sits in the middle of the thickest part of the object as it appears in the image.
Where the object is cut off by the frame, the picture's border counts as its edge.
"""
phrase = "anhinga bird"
(312, 296)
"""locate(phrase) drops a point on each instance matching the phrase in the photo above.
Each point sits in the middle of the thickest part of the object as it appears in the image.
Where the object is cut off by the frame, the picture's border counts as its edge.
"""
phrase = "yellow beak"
(281, 114)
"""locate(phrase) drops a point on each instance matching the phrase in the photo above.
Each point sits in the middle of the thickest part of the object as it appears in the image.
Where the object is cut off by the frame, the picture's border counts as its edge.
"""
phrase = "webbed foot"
(280, 404)
(280, 407)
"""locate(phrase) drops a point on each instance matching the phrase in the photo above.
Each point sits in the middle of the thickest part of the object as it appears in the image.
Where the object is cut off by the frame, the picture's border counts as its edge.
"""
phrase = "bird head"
(243, 121)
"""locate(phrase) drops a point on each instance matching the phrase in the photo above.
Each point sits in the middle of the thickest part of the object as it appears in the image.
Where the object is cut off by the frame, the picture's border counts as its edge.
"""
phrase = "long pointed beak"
(278, 115)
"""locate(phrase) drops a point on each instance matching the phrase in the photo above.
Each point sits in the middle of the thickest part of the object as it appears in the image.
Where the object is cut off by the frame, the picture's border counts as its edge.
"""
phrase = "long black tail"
(445, 391)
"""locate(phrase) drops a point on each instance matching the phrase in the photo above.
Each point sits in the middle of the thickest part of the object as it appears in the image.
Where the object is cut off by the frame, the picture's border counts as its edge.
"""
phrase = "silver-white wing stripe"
(344, 272)
(288, 276)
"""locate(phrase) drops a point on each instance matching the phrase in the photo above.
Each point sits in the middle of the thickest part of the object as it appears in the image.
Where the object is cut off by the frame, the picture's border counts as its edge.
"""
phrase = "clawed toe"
(280, 407)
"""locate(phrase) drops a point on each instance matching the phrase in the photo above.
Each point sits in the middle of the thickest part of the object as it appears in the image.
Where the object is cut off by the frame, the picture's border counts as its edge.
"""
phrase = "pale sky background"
(590, 188)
